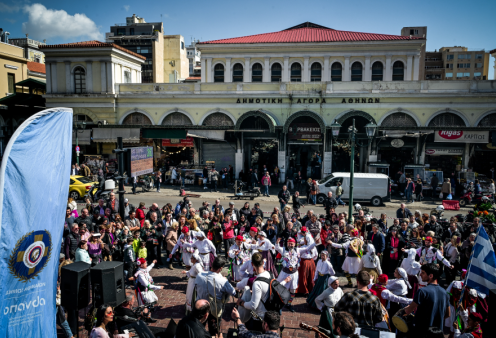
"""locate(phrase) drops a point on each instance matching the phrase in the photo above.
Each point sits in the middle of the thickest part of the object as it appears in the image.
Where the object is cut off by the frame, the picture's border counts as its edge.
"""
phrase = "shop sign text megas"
(461, 136)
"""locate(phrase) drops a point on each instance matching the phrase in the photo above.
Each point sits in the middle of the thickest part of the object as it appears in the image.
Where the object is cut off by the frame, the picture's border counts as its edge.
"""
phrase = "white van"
(373, 188)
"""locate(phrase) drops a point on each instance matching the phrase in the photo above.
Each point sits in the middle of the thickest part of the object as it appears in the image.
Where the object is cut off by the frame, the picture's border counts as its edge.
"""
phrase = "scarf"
(394, 244)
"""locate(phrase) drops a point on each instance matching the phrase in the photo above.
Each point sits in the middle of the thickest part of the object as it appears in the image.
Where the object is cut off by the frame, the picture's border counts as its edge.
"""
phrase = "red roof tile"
(193, 78)
(36, 67)
(92, 44)
(311, 33)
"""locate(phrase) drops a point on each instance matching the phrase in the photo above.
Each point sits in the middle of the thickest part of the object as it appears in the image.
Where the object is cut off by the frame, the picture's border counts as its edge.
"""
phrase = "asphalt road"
(267, 206)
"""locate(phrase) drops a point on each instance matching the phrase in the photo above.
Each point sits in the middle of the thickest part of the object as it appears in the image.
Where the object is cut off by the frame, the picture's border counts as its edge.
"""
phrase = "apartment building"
(456, 63)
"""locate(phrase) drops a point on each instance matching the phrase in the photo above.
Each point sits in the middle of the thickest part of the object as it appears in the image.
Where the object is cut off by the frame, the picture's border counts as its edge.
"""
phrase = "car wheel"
(74, 195)
(376, 201)
(320, 199)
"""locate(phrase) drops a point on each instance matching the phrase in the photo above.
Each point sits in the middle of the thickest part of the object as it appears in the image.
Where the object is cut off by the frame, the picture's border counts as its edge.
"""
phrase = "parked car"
(373, 188)
(79, 186)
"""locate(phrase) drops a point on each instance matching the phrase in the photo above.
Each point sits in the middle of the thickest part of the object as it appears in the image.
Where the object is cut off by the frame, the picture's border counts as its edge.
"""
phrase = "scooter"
(468, 198)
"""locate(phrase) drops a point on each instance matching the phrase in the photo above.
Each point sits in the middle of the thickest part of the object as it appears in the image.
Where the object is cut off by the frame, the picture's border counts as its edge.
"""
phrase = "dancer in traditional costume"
(187, 252)
(144, 283)
(412, 269)
(306, 271)
(240, 253)
(428, 254)
(327, 299)
(380, 286)
(354, 253)
(323, 271)
(196, 268)
(265, 246)
(370, 262)
(291, 258)
(205, 248)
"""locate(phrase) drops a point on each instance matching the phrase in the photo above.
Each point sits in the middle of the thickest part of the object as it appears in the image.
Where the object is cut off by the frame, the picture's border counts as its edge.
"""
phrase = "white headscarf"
(403, 275)
(196, 256)
(409, 264)
(331, 280)
(370, 249)
(200, 233)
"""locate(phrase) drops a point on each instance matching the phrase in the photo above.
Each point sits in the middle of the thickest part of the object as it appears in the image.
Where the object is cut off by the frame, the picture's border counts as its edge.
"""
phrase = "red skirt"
(306, 272)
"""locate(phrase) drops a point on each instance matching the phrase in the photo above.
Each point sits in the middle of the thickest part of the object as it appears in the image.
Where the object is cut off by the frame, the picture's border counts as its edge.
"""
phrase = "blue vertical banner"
(34, 186)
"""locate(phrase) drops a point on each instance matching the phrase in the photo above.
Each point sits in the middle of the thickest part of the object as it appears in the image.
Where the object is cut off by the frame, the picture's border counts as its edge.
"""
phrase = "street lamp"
(370, 129)
(78, 128)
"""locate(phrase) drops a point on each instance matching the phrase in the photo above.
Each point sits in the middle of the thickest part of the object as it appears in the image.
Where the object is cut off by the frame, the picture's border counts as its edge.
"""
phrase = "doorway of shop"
(259, 153)
(306, 158)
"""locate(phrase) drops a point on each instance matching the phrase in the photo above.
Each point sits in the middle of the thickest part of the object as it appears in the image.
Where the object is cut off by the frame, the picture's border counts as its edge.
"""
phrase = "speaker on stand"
(107, 283)
(75, 291)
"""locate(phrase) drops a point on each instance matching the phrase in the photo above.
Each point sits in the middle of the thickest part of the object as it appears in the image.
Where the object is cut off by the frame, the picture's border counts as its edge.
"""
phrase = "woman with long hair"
(415, 240)
(214, 228)
(95, 246)
(308, 189)
(105, 316)
(394, 243)
(171, 240)
(243, 225)
(218, 213)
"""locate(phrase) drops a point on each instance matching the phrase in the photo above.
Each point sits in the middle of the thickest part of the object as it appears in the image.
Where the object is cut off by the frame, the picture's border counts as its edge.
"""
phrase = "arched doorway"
(342, 146)
(220, 152)
(305, 134)
(483, 158)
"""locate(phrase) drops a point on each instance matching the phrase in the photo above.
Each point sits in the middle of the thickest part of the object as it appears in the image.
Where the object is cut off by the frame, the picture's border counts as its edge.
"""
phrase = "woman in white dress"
(370, 262)
(323, 271)
(330, 296)
(186, 237)
(264, 246)
(206, 248)
(144, 283)
(196, 268)
(239, 253)
(352, 262)
(399, 287)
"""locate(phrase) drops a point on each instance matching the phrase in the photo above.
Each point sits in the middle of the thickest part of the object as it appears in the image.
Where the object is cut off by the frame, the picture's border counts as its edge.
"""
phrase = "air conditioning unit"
(102, 123)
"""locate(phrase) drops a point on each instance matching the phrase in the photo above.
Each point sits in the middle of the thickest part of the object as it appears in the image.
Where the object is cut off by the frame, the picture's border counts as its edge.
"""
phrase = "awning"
(163, 133)
(208, 134)
(84, 137)
(110, 135)
(414, 166)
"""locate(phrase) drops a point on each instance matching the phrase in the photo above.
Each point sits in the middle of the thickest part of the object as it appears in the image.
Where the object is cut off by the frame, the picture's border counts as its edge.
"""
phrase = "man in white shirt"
(260, 293)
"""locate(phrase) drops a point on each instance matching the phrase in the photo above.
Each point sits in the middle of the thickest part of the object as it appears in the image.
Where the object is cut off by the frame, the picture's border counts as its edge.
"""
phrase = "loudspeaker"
(107, 280)
(75, 285)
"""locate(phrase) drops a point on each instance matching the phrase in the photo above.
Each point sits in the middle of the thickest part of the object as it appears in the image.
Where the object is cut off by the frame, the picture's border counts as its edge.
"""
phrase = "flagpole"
(468, 272)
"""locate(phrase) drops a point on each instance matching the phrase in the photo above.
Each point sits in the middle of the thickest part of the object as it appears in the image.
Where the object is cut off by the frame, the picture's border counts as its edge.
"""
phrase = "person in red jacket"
(325, 231)
(227, 233)
(140, 213)
(379, 287)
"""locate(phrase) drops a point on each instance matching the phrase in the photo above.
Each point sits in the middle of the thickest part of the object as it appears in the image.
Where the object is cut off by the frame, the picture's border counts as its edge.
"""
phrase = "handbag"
(210, 236)
(449, 197)
(441, 195)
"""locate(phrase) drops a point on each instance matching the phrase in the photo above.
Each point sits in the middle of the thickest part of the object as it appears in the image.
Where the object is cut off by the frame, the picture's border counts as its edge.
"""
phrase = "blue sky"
(449, 23)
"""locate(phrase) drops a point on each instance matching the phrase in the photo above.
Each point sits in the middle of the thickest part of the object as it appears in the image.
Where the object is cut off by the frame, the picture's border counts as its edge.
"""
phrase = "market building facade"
(270, 99)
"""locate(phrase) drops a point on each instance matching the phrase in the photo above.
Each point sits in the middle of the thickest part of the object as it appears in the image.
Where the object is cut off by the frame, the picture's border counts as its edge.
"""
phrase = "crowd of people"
(414, 263)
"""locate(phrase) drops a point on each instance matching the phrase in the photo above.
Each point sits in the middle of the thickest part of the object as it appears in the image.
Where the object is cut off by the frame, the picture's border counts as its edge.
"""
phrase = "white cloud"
(6, 8)
(126, 7)
(46, 23)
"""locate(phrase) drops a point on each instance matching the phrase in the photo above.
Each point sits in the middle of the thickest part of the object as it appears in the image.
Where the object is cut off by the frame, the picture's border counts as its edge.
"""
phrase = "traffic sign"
(77, 148)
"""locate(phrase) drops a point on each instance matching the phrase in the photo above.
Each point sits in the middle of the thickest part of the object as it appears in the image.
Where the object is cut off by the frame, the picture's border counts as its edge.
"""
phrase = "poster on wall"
(305, 132)
(141, 161)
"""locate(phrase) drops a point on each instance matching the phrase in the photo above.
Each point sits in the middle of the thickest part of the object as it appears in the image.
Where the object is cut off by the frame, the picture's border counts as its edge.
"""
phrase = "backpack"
(278, 295)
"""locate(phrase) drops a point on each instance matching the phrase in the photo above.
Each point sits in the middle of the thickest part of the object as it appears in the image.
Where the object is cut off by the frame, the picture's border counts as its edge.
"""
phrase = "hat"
(428, 238)
(383, 279)
(61, 256)
(126, 200)
(457, 285)
(303, 229)
(140, 261)
(354, 232)
(231, 203)
(200, 233)
(325, 252)
(291, 240)
(331, 280)
(253, 229)
(370, 248)
(240, 238)
(473, 292)
(185, 230)
(261, 233)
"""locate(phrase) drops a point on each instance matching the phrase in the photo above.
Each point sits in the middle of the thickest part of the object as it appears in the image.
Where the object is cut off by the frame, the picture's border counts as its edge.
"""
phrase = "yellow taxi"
(79, 186)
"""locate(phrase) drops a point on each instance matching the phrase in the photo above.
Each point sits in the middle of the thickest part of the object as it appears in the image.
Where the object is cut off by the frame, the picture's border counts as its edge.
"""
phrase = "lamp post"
(335, 127)
(370, 129)
(78, 128)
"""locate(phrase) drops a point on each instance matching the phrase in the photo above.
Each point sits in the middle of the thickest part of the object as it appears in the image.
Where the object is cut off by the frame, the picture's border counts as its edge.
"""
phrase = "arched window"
(398, 71)
(377, 71)
(238, 73)
(176, 119)
(276, 73)
(137, 119)
(219, 73)
(256, 73)
(218, 119)
(447, 120)
(79, 80)
(336, 72)
(488, 121)
(296, 72)
(356, 71)
(399, 120)
(316, 72)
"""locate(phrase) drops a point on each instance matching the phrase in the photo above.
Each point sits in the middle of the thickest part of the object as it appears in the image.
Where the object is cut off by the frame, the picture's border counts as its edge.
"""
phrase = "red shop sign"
(176, 142)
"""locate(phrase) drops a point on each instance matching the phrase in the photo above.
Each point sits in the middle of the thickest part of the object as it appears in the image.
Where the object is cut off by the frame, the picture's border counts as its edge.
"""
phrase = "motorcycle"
(146, 183)
(468, 198)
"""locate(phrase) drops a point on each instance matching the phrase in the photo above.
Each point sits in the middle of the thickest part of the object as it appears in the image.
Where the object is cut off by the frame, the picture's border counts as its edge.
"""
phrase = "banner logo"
(30, 255)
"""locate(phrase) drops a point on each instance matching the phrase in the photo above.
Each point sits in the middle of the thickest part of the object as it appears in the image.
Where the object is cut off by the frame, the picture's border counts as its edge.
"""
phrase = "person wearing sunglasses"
(105, 316)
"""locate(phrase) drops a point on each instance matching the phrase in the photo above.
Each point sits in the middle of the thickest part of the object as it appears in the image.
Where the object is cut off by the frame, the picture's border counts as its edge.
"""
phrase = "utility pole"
(120, 177)
(352, 169)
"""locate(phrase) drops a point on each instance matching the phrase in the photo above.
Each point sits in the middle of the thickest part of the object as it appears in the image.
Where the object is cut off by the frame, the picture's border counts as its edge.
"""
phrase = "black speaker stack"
(107, 284)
